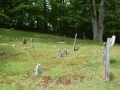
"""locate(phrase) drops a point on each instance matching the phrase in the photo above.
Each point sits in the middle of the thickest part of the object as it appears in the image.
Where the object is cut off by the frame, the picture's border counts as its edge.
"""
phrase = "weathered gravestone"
(24, 41)
(6, 51)
(74, 42)
(65, 52)
(25, 48)
(62, 41)
(59, 53)
(106, 56)
(10, 39)
(38, 70)
(31, 40)
(12, 29)
(32, 45)
(84, 36)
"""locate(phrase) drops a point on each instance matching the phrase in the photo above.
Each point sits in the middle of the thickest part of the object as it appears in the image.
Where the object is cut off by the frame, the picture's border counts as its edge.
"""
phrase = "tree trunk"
(94, 19)
(45, 16)
(101, 19)
(98, 27)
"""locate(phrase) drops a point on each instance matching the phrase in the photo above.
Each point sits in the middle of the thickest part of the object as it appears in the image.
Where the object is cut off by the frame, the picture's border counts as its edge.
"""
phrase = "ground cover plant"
(80, 70)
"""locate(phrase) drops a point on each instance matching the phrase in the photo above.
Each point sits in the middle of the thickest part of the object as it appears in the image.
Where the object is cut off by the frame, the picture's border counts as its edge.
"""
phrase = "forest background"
(60, 17)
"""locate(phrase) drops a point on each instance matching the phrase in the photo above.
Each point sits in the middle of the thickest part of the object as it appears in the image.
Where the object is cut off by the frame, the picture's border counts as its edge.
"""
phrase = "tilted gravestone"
(24, 41)
(65, 52)
(59, 53)
(106, 56)
(74, 42)
(38, 70)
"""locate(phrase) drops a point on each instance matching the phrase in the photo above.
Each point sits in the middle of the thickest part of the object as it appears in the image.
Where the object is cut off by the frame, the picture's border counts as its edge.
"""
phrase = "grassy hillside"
(80, 70)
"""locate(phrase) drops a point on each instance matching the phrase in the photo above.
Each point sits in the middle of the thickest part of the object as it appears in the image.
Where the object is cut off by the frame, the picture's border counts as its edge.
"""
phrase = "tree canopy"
(62, 17)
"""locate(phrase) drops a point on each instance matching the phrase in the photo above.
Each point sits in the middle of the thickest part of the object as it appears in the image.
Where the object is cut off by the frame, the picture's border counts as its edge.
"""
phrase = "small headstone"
(10, 39)
(13, 45)
(12, 29)
(65, 52)
(6, 51)
(32, 45)
(24, 41)
(38, 70)
(25, 48)
(83, 35)
(31, 40)
(62, 39)
(59, 53)
(74, 42)
(61, 42)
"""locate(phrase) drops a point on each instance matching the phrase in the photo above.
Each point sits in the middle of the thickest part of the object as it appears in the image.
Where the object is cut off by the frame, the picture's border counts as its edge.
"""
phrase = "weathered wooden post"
(74, 42)
(106, 56)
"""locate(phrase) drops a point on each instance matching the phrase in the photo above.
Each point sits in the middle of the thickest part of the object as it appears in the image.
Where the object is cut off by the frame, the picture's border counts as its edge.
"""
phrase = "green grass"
(80, 70)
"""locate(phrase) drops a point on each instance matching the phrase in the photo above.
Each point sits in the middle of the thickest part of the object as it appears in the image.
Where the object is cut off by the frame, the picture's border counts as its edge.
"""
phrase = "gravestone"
(10, 39)
(6, 51)
(12, 29)
(38, 70)
(84, 36)
(13, 45)
(65, 52)
(32, 45)
(62, 41)
(24, 41)
(106, 56)
(25, 48)
(74, 42)
(31, 40)
(59, 53)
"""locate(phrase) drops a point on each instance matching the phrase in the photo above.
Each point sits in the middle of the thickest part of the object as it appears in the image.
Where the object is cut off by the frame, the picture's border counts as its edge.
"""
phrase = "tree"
(98, 25)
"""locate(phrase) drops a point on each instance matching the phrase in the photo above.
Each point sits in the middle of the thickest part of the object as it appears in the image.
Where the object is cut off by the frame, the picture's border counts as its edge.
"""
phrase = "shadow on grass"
(114, 61)
(111, 76)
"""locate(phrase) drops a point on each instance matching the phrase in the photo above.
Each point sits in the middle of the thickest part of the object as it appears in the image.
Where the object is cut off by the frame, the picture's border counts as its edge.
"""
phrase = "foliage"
(63, 17)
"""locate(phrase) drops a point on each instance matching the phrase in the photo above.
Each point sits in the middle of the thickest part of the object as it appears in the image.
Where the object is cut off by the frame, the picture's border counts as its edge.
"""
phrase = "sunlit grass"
(80, 70)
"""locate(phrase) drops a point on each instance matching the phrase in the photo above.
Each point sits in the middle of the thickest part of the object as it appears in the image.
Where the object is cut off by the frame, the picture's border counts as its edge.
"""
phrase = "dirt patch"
(79, 78)
(71, 64)
(2, 54)
(45, 82)
(71, 79)
(65, 80)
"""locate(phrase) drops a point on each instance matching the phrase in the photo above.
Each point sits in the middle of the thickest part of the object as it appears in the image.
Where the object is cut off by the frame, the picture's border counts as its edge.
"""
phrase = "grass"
(80, 70)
